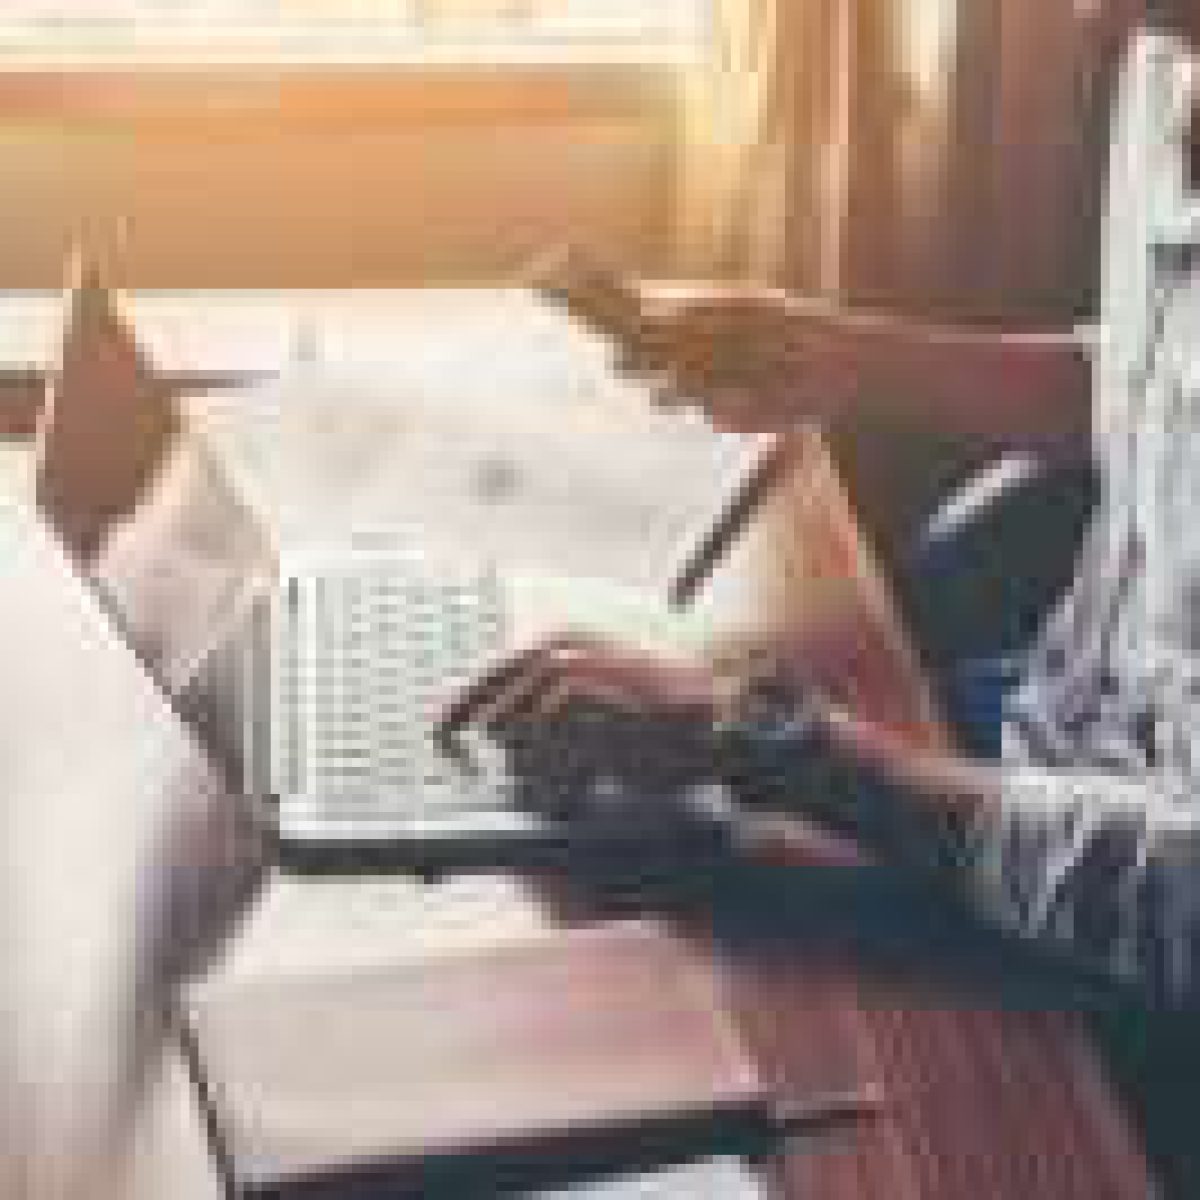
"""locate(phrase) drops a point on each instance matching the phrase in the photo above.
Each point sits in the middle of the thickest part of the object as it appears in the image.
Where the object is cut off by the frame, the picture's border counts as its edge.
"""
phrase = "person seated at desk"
(1074, 823)
(1084, 833)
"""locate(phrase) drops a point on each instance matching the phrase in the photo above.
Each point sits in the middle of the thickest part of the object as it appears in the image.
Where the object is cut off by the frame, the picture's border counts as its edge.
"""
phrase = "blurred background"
(932, 154)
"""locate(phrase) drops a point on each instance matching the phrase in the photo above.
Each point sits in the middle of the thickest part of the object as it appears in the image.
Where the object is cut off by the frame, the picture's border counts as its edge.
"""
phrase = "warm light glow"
(320, 31)
(928, 32)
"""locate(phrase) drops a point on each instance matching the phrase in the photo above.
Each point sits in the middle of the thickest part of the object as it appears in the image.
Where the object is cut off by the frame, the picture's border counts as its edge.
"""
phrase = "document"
(501, 432)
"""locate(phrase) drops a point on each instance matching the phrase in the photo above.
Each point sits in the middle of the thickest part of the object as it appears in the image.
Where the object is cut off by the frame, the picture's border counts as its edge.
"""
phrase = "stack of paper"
(503, 434)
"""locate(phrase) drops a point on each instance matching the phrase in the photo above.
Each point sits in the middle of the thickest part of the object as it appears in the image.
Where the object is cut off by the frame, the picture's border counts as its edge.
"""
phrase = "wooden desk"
(993, 1090)
(980, 1100)
(987, 1101)
(833, 973)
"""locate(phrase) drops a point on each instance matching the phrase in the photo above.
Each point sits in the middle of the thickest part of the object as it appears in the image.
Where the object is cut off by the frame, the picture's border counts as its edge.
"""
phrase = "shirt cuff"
(1065, 859)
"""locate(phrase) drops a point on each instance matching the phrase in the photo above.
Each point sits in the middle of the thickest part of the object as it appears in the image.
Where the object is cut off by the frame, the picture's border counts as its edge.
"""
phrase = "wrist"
(759, 736)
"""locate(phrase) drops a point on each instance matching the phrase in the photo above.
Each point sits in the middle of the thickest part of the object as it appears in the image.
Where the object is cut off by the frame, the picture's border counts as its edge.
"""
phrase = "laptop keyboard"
(369, 639)
(367, 643)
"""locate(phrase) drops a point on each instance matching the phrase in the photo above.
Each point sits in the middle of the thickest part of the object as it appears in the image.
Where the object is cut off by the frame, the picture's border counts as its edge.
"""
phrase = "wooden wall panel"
(1058, 68)
(332, 181)
(991, 216)
(811, 97)
(977, 195)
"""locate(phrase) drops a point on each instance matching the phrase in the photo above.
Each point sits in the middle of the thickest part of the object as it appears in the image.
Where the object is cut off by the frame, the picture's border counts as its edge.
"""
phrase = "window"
(154, 32)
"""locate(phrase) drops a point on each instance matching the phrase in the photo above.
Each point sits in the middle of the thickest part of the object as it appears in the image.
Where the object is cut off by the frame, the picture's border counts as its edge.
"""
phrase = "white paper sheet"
(499, 430)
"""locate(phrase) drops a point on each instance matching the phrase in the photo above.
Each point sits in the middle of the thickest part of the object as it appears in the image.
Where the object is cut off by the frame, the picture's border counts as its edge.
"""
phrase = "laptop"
(354, 657)
(433, 511)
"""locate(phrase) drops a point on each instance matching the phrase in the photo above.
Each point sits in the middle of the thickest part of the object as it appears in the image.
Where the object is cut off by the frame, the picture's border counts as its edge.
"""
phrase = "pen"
(768, 470)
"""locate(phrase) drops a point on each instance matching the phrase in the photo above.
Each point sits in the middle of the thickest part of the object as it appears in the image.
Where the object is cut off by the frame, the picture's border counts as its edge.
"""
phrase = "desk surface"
(980, 1101)
(249, 331)
(195, 339)
(988, 1102)
(992, 1090)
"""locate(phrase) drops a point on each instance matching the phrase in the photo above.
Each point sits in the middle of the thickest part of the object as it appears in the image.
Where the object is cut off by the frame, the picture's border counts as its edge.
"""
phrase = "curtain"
(734, 150)
(764, 144)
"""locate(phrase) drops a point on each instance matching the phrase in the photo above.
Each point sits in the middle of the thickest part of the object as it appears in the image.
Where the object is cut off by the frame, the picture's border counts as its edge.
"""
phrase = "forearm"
(771, 746)
(936, 782)
(1074, 860)
(1027, 389)
(1031, 389)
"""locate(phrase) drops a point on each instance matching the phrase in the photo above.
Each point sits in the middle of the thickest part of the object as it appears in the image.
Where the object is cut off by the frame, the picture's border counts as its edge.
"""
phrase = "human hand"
(572, 669)
(623, 713)
(753, 359)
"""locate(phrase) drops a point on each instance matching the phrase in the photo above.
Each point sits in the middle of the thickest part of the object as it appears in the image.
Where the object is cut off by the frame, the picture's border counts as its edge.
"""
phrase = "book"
(605, 1043)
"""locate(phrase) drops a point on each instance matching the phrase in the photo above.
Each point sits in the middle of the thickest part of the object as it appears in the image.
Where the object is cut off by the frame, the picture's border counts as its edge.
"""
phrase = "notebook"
(600, 1046)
